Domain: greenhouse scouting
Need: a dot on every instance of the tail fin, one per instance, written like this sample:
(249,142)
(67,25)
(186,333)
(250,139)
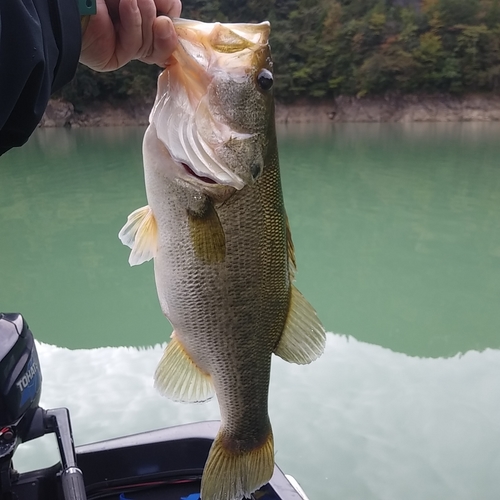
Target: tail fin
(230,475)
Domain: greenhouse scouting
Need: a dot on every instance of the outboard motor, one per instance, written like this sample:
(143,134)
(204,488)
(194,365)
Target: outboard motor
(20,382)
(21,419)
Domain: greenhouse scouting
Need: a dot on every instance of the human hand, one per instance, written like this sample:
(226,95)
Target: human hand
(123,30)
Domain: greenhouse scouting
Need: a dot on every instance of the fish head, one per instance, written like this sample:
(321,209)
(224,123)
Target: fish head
(214,110)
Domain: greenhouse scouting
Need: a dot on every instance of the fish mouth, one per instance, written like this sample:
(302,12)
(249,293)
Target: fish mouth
(202,178)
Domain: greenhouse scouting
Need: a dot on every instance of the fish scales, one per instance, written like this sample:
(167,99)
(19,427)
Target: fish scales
(217,229)
(252,283)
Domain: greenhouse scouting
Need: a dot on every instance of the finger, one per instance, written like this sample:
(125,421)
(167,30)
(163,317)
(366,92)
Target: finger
(170,8)
(164,41)
(113,9)
(98,42)
(129,33)
(147,9)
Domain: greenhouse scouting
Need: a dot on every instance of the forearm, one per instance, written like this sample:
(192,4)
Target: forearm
(40,42)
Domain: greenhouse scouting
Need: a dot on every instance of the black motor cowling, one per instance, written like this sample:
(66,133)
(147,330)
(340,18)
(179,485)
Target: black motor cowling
(20,375)
(21,419)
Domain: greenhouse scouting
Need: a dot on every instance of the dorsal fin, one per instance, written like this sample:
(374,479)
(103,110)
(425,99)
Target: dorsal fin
(303,338)
(292,264)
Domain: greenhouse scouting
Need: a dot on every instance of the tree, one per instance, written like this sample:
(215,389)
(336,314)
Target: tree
(323,48)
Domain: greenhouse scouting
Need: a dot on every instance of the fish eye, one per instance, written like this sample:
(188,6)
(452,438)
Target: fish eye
(265,79)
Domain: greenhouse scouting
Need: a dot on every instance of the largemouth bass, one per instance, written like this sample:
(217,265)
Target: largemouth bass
(223,255)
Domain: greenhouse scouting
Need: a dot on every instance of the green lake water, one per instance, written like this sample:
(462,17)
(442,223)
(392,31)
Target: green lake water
(397,236)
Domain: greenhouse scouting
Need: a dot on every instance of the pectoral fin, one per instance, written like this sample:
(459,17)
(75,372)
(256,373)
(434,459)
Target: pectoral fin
(207,234)
(179,378)
(303,339)
(140,233)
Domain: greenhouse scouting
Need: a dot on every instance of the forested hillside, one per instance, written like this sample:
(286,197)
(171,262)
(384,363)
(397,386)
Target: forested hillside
(325,48)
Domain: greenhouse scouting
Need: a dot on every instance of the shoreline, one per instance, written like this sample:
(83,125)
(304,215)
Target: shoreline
(342,109)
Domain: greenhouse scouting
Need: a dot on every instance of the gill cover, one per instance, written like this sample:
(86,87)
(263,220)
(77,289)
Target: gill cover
(186,119)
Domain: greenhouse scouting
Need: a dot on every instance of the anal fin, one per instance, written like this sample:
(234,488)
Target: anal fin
(179,378)
(303,338)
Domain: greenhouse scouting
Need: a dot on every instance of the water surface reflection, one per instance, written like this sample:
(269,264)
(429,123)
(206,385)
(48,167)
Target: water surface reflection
(362,422)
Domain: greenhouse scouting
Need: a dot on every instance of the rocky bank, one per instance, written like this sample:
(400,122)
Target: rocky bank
(408,108)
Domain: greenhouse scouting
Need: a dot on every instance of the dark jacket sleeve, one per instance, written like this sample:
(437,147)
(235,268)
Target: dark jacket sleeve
(40,43)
